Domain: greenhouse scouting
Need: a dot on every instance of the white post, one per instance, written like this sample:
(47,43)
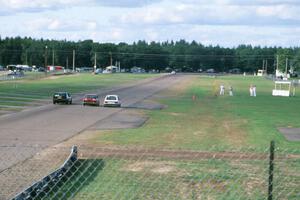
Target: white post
(73,60)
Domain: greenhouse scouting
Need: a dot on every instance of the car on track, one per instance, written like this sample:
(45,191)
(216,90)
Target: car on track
(62,97)
(112,100)
(91,99)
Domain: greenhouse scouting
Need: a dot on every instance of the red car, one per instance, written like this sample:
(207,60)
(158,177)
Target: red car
(91,99)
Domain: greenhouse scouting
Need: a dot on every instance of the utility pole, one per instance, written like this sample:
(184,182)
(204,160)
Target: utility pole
(53,57)
(110,58)
(46,58)
(26,57)
(267,66)
(277,62)
(286,66)
(67,62)
(73,60)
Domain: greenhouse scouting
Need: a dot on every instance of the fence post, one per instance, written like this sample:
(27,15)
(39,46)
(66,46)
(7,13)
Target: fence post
(271,170)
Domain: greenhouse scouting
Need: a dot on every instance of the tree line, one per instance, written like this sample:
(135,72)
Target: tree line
(173,55)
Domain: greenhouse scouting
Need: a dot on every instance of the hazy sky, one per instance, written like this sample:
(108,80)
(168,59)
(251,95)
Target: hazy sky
(217,22)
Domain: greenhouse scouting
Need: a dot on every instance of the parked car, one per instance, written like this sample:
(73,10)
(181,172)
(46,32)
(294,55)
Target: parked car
(16,74)
(91,99)
(112,100)
(210,70)
(98,71)
(41,69)
(62,97)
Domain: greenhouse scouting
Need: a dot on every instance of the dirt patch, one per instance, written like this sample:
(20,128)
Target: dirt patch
(124,119)
(291,134)
(202,189)
(148,105)
(158,167)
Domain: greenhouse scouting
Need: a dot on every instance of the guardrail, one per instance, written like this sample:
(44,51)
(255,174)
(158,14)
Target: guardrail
(40,186)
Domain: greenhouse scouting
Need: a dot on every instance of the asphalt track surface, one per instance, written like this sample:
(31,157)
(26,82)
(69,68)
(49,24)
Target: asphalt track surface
(24,134)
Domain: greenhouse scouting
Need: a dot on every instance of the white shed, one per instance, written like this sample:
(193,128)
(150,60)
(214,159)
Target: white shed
(282,88)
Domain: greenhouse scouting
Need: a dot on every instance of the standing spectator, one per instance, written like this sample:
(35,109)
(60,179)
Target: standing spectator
(251,90)
(230,91)
(222,89)
(254,91)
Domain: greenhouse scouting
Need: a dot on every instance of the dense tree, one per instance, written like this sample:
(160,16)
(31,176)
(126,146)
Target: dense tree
(180,55)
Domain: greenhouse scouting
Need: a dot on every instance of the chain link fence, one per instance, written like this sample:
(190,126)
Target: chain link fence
(138,173)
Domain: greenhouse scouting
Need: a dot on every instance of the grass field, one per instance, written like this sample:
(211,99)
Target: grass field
(226,179)
(196,118)
(31,90)
(213,122)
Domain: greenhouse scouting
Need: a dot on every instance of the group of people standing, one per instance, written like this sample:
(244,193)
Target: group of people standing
(252,90)
(222,90)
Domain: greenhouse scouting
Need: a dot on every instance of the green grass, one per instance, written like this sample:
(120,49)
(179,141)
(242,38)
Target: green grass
(213,122)
(208,123)
(44,88)
(112,178)
(73,84)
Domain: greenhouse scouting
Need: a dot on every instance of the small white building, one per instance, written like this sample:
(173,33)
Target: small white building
(261,72)
(282,88)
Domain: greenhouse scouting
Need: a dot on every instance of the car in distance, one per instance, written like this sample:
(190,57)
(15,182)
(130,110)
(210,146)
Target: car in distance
(112,100)
(62,97)
(91,99)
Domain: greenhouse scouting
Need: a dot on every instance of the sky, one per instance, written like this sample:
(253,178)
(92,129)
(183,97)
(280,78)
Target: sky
(227,23)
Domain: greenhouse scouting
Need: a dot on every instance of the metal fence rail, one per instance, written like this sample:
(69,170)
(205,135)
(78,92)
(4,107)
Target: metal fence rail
(138,173)
(39,188)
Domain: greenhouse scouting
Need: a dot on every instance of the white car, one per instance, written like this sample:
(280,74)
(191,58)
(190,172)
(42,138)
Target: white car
(112,100)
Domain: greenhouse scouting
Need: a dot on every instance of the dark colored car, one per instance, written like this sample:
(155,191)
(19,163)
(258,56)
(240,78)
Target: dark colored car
(91,99)
(62,97)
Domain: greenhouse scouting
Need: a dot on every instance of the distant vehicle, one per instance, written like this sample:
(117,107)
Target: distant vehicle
(173,72)
(41,69)
(98,71)
(55,68)
(11,67)
(295,74)
(91,99)
(111,69)
(137,70)
(210,71)
(16,74)
(23,67)
(84,69)
(62,97)
(235,71)
(112,100)
(1,68)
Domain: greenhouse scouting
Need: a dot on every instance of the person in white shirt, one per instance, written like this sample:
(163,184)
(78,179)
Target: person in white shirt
(254,91)
(230,91)
(251,90)
(222,89)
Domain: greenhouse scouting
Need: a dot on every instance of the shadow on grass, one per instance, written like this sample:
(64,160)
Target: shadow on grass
(79,176)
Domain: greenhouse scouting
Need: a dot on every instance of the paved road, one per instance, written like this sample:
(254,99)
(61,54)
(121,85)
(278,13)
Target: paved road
(25,133)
